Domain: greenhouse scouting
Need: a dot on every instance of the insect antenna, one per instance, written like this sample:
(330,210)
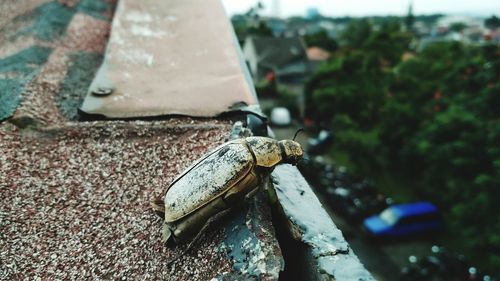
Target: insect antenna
(296,133)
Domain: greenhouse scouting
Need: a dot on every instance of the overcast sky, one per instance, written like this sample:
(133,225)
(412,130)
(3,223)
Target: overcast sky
(369,7)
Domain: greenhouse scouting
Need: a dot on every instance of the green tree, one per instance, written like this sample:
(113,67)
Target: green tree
(356,33)
(458,26)
(492,22)
(410,18)
(243,29)
(432,118)
(322,40)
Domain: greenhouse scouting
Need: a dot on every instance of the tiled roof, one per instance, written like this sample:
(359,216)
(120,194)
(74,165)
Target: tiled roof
(278,52)
(76,200)
(40,42)
(76,195)
(317,54)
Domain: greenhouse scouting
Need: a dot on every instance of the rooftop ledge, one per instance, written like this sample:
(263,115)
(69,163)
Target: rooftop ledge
(76,193)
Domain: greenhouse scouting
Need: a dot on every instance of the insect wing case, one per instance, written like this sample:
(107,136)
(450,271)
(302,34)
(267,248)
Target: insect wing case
(266,150)
(207,179)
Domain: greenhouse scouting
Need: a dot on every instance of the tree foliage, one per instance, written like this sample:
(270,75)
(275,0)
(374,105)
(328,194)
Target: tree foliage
(432,116)
(322,40)
(492,22)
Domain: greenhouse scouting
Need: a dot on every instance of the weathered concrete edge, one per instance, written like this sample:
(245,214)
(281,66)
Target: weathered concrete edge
(331,256)
(251,243)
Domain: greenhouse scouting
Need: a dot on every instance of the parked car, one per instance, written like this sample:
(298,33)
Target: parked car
(280,116)
(403,220)
(356,205)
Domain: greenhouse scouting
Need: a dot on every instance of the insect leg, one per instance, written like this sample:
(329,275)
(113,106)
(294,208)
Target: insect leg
(250,194)
(158,205)
(209,222)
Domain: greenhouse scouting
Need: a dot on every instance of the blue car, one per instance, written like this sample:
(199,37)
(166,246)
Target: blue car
(403,220)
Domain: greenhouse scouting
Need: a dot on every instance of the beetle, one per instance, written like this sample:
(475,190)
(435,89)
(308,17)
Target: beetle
(218,182)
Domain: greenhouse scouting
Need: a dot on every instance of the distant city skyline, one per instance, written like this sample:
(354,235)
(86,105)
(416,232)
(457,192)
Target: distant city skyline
(339,8)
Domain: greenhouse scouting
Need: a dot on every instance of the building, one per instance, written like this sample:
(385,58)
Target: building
(316,56)
(283,58)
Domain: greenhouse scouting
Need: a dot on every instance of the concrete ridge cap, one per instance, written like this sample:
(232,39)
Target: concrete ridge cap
(310,224)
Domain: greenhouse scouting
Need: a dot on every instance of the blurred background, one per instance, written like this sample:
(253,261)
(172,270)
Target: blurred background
(400,102)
